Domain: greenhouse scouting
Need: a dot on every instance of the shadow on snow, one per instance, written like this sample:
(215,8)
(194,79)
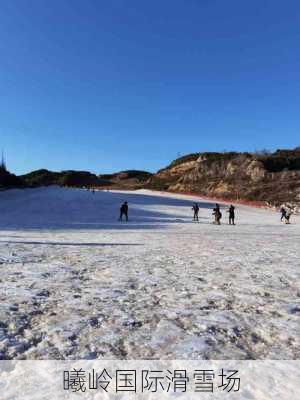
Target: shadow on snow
(58,208)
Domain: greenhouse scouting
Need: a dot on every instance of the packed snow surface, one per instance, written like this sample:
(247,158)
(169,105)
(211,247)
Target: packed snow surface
(76,283)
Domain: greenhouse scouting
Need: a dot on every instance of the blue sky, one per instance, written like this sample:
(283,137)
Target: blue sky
(119,84)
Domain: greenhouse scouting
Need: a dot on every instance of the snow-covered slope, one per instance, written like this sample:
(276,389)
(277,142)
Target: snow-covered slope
(76,283)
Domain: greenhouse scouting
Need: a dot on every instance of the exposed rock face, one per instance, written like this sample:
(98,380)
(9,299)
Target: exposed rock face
(272,178)
(255,170)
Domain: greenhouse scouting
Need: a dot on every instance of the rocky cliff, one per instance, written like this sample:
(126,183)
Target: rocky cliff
(271,178)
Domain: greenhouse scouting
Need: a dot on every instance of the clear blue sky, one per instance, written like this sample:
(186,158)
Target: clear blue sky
(123,84)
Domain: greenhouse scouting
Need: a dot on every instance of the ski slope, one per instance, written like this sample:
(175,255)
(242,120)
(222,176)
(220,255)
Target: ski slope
(76,283)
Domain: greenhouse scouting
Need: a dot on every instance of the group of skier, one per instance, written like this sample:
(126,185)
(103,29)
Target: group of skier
(285,213)
(217,214)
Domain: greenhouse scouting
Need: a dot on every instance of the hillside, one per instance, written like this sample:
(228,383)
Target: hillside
(121,180)
(43,177)
(127,180)
(272,178)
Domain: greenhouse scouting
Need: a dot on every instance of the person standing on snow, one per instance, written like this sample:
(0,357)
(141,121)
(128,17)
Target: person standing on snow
(288,216)
(218,215)
(124,211)
(283,213)
(231,212)
(195,208)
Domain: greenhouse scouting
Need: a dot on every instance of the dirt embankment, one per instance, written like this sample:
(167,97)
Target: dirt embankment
(256,179)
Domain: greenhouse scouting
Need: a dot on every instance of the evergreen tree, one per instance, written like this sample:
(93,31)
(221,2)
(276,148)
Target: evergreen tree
(3,163)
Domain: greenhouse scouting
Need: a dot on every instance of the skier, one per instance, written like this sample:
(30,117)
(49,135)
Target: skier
(124,211)
(218,215)
(231,214)
(283,213)
(288,216)
(195,208)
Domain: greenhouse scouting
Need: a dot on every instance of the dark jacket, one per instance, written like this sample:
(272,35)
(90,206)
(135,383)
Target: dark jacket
(231,211)
(124,208)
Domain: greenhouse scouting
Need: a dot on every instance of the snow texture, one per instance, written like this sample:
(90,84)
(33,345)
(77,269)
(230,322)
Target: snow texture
(78,284)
